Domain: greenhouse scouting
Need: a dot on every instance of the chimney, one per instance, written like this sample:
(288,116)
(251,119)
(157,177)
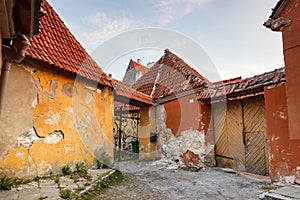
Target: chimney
(139,61)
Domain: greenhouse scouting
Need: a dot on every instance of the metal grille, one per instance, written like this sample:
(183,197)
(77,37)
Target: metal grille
(125,136)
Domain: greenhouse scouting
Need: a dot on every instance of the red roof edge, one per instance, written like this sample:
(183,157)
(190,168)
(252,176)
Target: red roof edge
(124,91)
(246,85)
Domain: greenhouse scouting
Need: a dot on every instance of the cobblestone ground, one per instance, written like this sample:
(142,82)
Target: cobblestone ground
(151,180)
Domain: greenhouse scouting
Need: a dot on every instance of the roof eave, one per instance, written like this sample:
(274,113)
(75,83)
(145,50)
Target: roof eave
(275,22)
(278,9)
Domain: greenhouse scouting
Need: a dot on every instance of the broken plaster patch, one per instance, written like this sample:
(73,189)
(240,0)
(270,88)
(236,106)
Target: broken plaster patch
(173,148)
(290,179)
(70,110)
(280,114)
(69,90)
(54,137)
(20,155)
(51,94)
(53,119)
(27,139)
(89,98)
(80,126)
(34,102)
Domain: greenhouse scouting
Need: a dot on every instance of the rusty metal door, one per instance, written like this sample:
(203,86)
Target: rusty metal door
(256,152)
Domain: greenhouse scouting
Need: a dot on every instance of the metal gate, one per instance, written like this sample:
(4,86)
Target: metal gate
(240,135)
(125,136)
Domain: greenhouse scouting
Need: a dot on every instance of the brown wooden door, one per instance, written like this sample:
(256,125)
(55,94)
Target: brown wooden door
(240,135)
(228,127)
(222,152)
(256,154)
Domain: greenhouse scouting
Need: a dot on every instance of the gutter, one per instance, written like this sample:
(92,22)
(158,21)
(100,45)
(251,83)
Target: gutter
(14,53)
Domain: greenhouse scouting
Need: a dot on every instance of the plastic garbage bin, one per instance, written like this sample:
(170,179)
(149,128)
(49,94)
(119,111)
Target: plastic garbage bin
(135,145)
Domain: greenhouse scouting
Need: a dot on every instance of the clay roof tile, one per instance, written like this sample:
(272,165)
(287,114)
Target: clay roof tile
(56,46)
(169,75)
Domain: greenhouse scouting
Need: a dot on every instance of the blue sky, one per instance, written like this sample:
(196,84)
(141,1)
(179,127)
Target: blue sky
(230,32)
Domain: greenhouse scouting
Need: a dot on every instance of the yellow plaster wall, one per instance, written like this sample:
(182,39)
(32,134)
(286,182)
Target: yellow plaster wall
(147,125)
(83,120)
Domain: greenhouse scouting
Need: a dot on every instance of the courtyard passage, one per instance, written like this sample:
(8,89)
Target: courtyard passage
(154,180)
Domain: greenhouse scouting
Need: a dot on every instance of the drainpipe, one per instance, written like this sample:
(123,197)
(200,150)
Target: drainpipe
(10,54)
(3,80)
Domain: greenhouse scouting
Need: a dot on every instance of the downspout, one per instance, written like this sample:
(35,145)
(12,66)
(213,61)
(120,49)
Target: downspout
(10,54)
(3,80)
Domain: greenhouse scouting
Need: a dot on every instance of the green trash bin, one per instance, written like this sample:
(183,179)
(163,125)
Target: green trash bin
(135,145)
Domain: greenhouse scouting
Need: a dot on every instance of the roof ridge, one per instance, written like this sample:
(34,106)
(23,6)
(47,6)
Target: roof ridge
(169,75)
(186,66)
(156,80)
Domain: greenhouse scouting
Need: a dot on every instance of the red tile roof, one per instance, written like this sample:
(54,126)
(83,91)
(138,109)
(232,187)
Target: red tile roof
(242,86)
(139,67)
(56,46)
(125,94)
(169,75)
(118,106)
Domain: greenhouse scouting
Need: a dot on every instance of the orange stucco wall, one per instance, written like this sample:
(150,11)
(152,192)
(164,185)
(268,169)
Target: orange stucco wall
(284,152)
(188,113)
(77,111)
(205,122)
(183,114)
(291,49)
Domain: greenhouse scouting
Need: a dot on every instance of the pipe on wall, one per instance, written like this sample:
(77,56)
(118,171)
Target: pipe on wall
(3,82)
(10,54)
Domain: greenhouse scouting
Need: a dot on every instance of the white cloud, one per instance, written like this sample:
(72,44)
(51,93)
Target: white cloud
(172,9)
(101,27)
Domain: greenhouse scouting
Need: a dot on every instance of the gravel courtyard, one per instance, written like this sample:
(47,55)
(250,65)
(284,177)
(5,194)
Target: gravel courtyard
(154,180)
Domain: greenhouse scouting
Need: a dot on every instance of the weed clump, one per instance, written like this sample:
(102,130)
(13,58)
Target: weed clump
(66,170)
(6,183)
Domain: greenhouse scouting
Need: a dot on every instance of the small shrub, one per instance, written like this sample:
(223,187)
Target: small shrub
(81,170)
(191,169)
(6,183)
(101,165)
(43,197)
(65,194)
(116,177)
(66,170)
(37,179)
(56,180)
(269,187)
(103,184)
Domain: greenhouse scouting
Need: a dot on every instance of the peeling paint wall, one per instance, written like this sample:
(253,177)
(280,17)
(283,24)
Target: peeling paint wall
(182,114)
(147,125)
(189,146)
(16,116)
(51,120)
(283,151)
(291,50)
